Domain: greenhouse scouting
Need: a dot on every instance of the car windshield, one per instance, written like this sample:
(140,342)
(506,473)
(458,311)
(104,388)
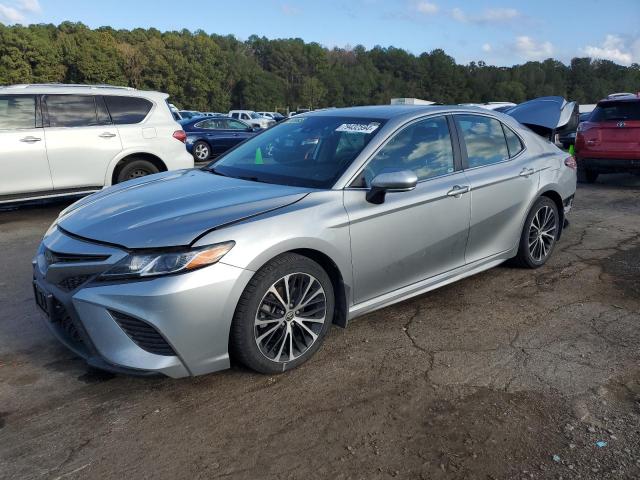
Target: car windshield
(304,151)
(612,111)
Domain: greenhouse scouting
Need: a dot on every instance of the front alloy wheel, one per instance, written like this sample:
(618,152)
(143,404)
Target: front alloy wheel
(290,317)
(283,314)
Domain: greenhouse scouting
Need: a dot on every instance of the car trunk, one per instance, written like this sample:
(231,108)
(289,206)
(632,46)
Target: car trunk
(613,131)
(547,116)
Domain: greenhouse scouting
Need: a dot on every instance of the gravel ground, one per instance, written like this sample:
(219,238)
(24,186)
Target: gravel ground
(509,374)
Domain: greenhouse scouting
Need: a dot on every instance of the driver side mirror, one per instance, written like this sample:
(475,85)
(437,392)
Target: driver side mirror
(402,181)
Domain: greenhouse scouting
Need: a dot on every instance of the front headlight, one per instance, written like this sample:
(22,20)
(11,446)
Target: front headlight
(138,265)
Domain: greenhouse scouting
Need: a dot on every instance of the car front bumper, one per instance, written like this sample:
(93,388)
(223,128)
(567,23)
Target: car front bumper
(176,325)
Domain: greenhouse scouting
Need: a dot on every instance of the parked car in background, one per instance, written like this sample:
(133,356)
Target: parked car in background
(213,114)
(210,137)
(550,117)
(313,222)
(278,117)
(252,118)
(187,114)
(568,137)
(609,141)
(59,139)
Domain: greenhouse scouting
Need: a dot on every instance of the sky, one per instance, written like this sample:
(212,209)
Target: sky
(497,32)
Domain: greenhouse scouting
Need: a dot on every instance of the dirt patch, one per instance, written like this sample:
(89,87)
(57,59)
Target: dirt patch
(624,268)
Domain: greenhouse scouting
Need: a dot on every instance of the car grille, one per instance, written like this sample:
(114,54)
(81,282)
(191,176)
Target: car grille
(71,283)
(56,257)
(143,334)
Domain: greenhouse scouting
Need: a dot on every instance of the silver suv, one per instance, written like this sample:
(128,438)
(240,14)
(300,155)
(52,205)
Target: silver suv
(70,139)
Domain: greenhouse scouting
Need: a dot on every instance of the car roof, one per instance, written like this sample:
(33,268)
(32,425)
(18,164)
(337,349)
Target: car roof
(625,98)
(79,89)
(387,112)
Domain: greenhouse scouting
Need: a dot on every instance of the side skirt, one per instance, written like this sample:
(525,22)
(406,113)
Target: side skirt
(429,284)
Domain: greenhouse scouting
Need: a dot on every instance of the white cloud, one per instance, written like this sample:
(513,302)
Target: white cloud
(16,13)
(616,49)
(491,15)
(486,47)
(529,49)
(31,6)
(426,8)
(10,14)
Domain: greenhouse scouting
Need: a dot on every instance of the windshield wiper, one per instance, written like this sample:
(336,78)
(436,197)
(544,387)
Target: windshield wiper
(217,172)
(252,179)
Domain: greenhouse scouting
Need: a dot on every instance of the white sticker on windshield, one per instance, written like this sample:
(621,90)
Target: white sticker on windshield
(358,127)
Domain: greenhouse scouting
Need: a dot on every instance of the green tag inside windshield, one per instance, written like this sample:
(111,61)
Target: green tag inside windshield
(258,160)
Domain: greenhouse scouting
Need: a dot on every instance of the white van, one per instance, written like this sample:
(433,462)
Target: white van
(57,140)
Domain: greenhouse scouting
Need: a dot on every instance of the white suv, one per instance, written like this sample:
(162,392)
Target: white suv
(252,118)
(58,140)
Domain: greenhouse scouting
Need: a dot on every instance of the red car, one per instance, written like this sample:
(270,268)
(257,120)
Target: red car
(609,141)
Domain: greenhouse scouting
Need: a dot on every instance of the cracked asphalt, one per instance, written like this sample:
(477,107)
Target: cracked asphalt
(509,374)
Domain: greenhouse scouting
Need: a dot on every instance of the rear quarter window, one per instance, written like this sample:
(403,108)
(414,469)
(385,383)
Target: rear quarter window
(514,144)
(127,110)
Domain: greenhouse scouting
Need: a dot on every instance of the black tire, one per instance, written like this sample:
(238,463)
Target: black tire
(244,333)
(587,176)
(136,168)
(525,257)
(201,151)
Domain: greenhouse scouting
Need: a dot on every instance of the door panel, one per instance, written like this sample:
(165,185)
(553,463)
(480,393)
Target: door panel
(23,162)
(80,144)
(79,156)
(499,201)
(23,156)
(411,236)
(501,187)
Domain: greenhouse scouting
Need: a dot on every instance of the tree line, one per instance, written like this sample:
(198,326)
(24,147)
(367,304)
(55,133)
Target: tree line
(216,73)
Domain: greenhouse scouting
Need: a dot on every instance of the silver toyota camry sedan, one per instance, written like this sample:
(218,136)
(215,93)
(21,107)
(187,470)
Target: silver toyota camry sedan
(322,218)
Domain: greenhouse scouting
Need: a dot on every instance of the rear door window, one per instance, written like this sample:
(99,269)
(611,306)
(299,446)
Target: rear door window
(127,110)
(483,138)
(17,111)
(236,125)
(71,110)
(616,111)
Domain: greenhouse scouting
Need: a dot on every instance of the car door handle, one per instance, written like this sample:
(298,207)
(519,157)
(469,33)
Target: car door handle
(526,172)
(107,135)
(458,190)
(591,142)
(30,139)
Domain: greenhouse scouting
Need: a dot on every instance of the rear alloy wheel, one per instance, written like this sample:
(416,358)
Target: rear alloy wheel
(136,168)
(539,234)
(283,314)
(201,151)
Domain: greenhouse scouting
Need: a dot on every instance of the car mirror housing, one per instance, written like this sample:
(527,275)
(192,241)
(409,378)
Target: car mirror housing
(401,181)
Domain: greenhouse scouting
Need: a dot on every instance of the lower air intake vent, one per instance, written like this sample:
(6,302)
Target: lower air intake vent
(71,283)
(143,334)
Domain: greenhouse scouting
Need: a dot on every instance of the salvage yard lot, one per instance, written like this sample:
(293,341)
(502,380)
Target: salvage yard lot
(486,378)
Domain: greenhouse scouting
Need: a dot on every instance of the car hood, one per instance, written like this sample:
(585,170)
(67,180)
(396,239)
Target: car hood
(546,114)
(172,208)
